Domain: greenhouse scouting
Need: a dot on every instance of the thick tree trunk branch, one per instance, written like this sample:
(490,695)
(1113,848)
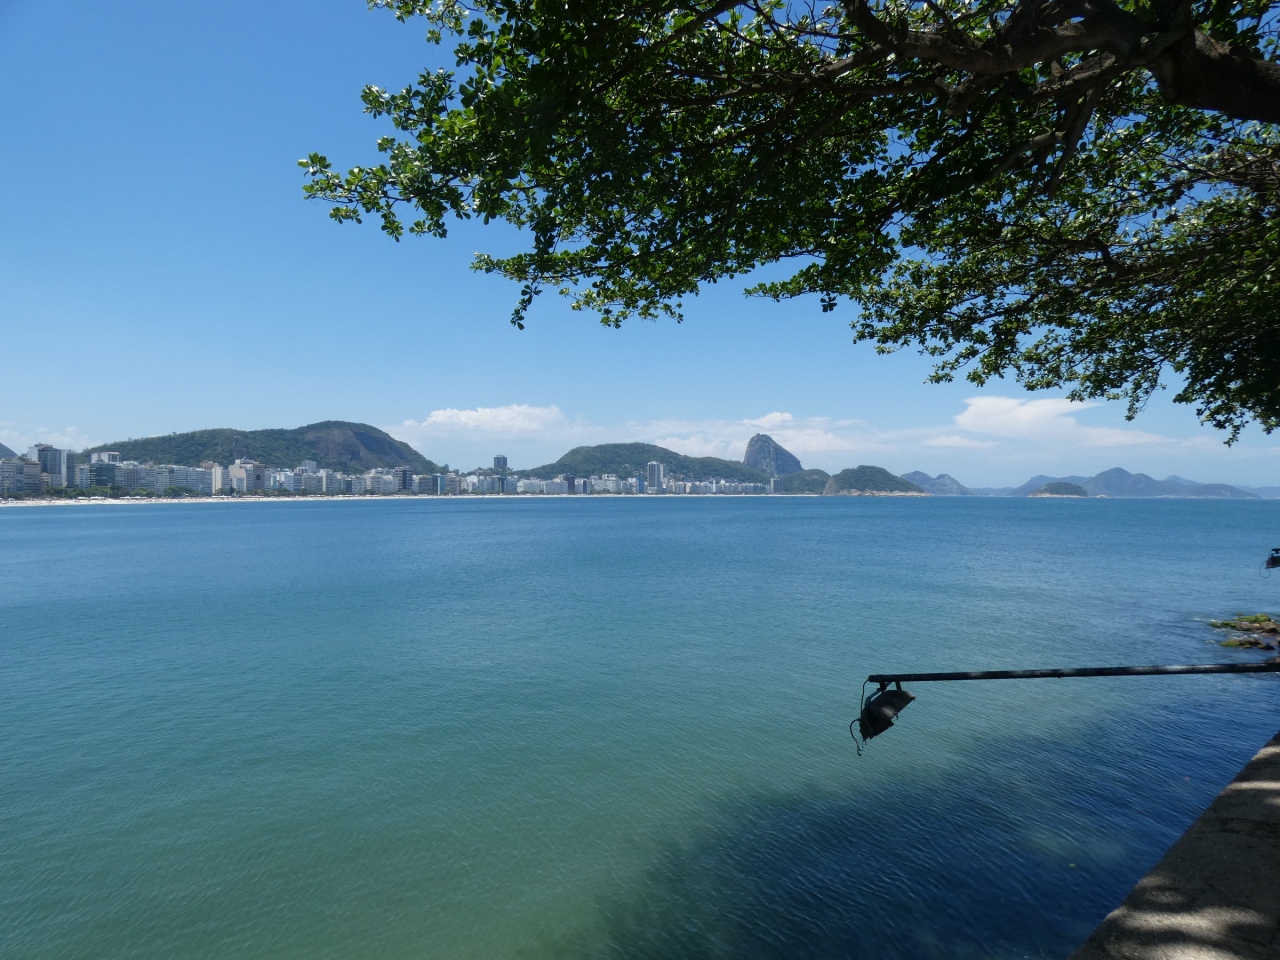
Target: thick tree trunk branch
(1202,73)
(1190,68)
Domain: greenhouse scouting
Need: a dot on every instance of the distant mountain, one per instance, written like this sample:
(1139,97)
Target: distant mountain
(6,452)
(768,456)
(1270,493)
(1061,489)
(943,485)
(631,460)
(806,481)
(1121,483)
(869,480)
(332,444)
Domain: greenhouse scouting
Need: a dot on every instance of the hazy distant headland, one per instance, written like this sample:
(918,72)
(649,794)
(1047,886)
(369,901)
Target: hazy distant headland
(348,457)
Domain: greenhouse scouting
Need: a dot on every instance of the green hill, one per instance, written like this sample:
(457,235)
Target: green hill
(1060,488)
(630,460)
(865,479)
(332,444)
(6,452)
(806,481)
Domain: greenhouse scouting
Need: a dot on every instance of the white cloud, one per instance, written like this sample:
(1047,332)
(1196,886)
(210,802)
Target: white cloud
(1042,434)
(958,442)
(512,420)
(69,438)
(20,441)
(527,432)
(1046,421)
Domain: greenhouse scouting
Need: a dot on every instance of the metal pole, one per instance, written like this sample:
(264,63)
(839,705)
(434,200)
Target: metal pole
(1268,667)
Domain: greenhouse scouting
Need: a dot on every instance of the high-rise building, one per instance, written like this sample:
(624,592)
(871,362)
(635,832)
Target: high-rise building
(20,475)
(60,465)
(98,473)
(500,463)
(571,482)
(219,480)
(132,476)
(657,476)
(104,456)
(404,478)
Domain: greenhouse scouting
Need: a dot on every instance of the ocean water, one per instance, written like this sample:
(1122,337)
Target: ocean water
(605,728)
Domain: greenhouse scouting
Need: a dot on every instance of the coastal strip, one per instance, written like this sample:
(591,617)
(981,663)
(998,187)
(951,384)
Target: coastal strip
(1216,894)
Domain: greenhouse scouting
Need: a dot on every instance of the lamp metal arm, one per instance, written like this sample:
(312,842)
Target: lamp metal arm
(1174,668)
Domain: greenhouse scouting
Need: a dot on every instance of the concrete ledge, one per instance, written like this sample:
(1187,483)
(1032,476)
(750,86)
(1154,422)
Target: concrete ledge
(1216,893)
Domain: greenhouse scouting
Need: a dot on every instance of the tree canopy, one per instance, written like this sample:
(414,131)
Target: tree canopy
(1077,193)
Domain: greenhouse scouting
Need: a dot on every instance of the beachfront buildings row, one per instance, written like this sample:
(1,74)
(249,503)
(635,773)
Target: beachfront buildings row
(45,468)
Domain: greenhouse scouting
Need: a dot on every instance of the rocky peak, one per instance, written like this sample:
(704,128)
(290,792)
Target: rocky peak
(765,453)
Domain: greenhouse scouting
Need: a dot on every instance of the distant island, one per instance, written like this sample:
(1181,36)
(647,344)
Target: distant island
(866,481)
(1060,488)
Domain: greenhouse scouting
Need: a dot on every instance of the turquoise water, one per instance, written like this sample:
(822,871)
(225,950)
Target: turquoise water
(604,728)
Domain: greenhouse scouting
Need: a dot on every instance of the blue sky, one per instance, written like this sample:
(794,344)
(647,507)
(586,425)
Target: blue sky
(160,271)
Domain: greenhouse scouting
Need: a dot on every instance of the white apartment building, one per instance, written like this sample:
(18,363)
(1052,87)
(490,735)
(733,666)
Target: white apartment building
(382,482)
(198,479)
(219,479)
(331,482)
(248,476)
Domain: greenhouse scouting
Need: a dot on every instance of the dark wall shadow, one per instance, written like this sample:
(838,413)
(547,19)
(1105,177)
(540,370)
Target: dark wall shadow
(1217,891)
(992,862)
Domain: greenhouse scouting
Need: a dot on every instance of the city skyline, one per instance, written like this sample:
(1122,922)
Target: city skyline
(47,470)
(993,441)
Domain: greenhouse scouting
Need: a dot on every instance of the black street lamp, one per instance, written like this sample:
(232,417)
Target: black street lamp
(877,712)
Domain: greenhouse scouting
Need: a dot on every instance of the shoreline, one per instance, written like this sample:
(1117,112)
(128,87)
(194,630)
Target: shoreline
(504,498)
(320,498)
